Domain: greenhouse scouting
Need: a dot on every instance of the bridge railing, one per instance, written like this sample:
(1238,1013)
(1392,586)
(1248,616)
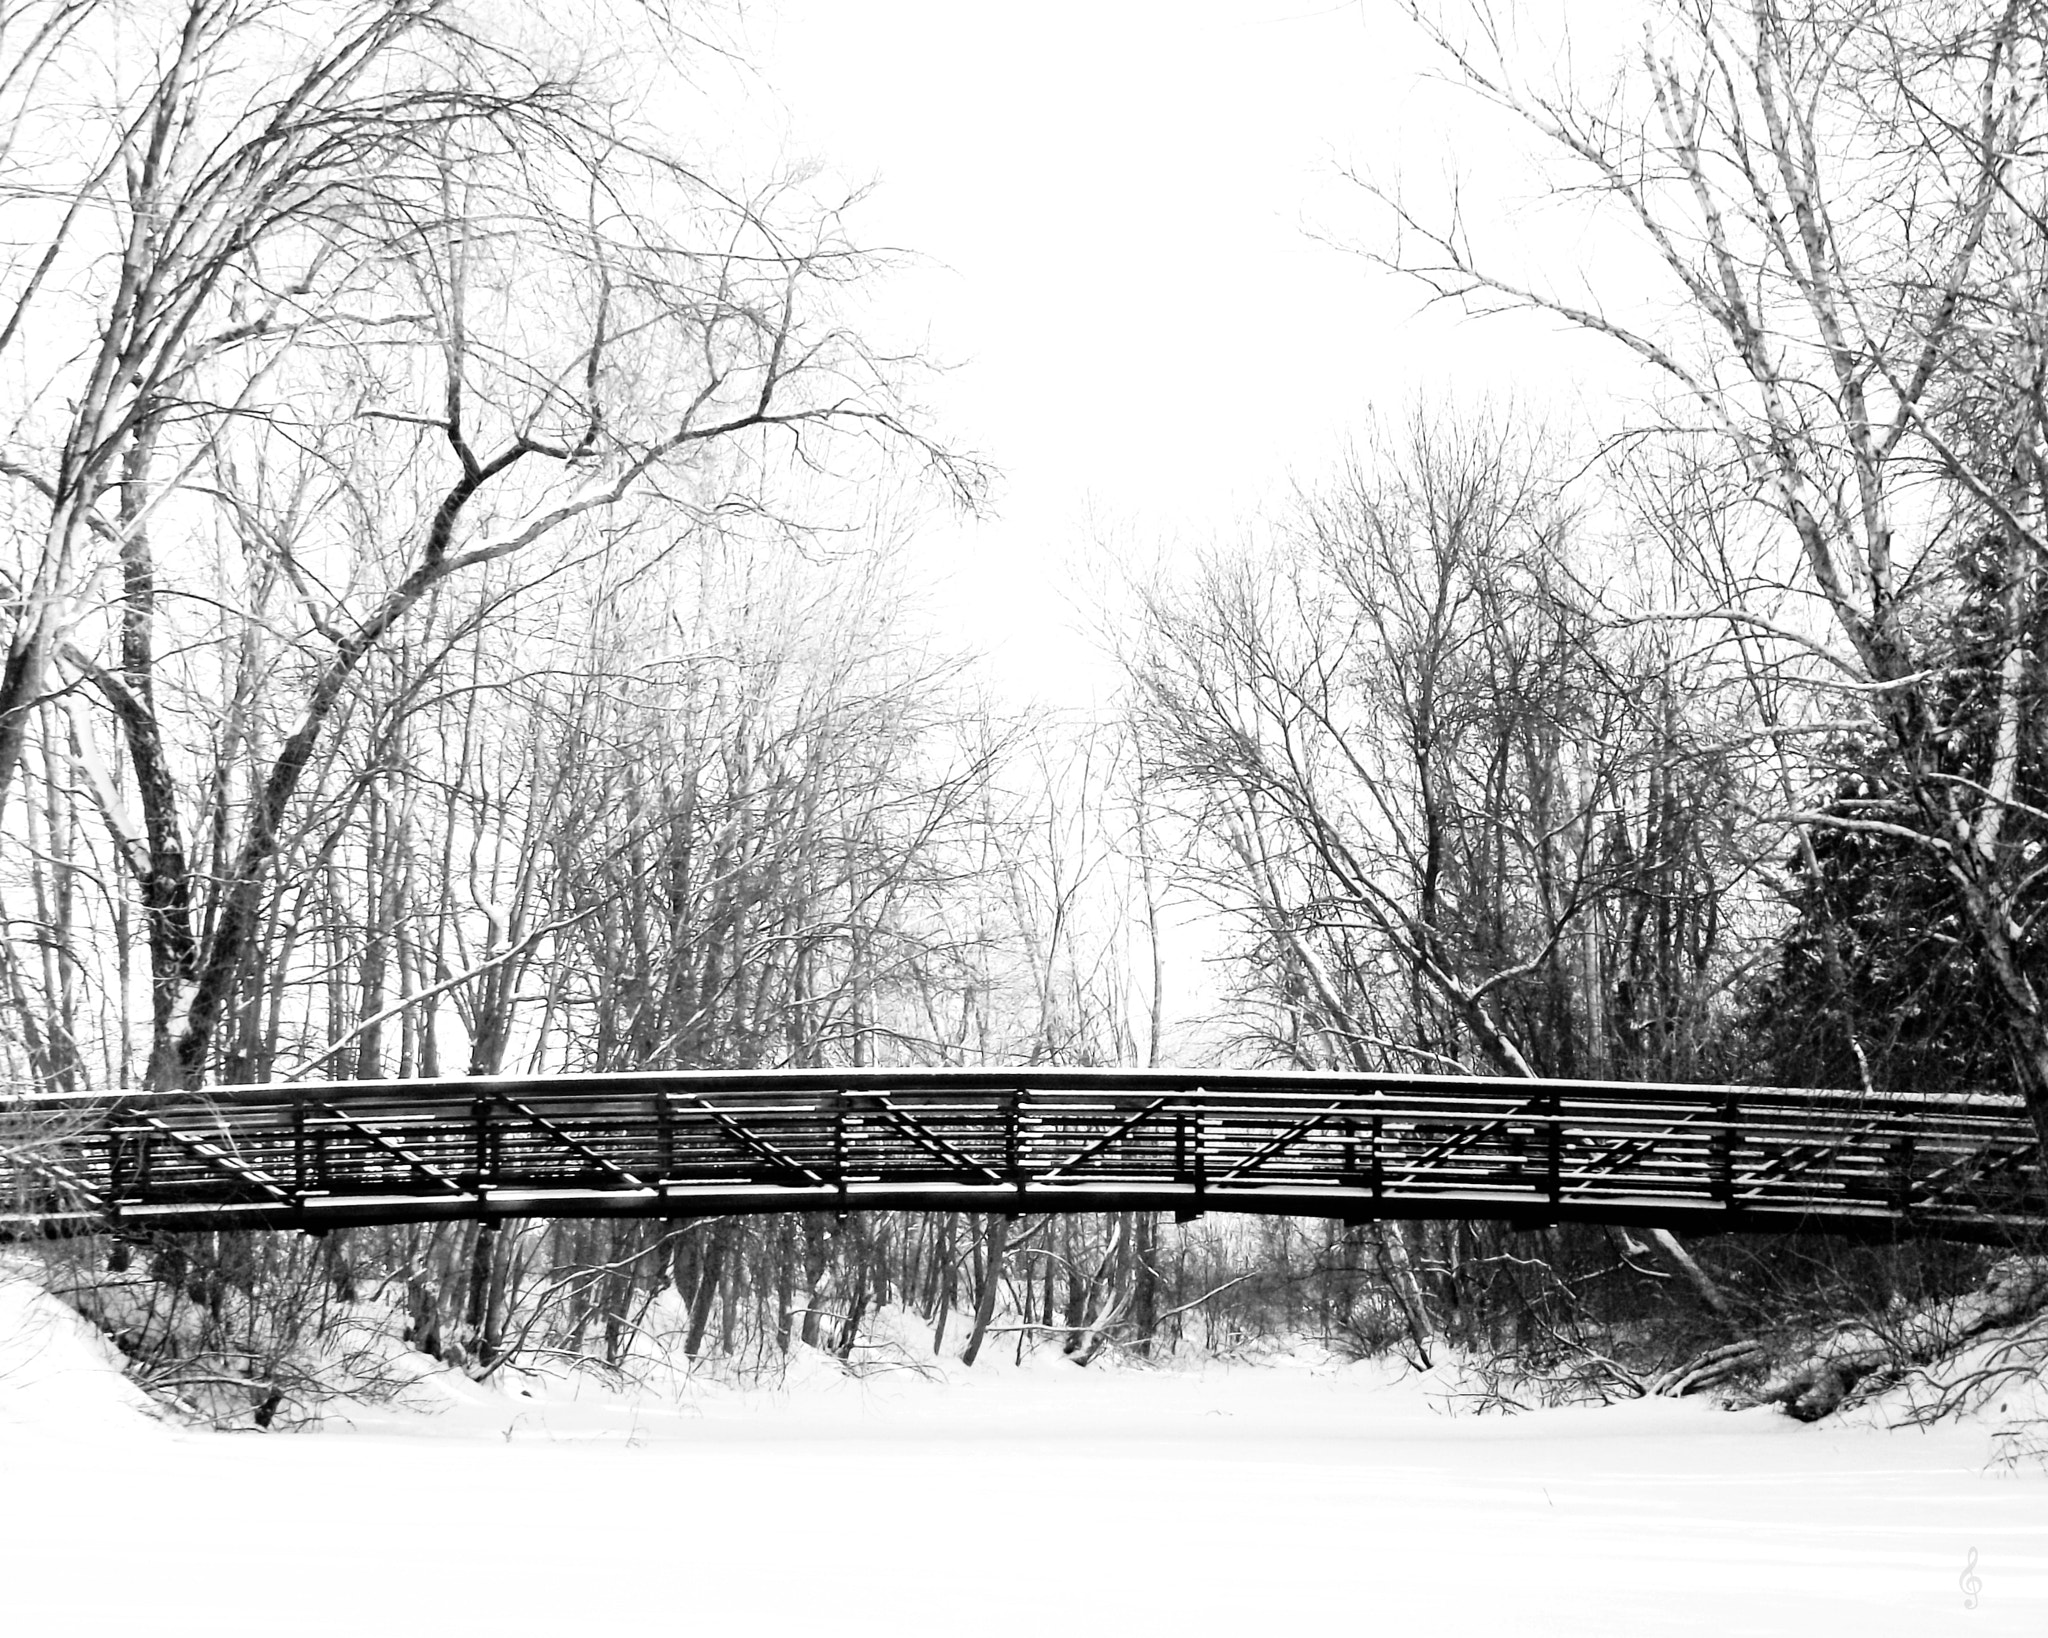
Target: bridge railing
(686,1144)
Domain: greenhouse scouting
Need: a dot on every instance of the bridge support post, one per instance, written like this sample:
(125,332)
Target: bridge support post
(1188,1165)
(665,1128)
(1553,1149)
(480,1115)
(839,1210)
(1723,1181)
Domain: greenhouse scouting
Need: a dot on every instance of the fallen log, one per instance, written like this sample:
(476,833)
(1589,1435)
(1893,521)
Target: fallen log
(2016,1289)
(1708,1370)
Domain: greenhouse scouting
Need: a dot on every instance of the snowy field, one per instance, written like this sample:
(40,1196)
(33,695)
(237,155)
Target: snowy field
(1289,1497)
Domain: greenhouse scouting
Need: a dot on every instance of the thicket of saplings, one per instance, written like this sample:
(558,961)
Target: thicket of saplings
(269,1326)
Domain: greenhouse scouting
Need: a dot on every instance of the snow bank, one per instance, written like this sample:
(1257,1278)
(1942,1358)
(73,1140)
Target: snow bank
(1291,1494)
(59,1377)
(1993,1386)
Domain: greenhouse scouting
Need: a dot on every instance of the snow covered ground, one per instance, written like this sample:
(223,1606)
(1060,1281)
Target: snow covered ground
(1289,1497)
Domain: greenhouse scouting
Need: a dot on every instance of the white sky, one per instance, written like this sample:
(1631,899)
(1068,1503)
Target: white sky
(1113,202)
(1115,210)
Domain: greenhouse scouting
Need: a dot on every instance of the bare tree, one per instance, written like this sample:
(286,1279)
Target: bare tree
(376,302)
(1462,825)
(1849,206)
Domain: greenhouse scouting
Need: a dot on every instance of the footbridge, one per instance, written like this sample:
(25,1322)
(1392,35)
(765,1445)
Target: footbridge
(1701,1158)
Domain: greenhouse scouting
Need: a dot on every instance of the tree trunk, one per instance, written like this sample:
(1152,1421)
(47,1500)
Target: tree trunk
(1144,1281)
(1400,1272)
(709,1270)
(991,1281)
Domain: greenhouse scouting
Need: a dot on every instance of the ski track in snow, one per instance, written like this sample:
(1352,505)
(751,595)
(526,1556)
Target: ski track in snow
(1290,1497)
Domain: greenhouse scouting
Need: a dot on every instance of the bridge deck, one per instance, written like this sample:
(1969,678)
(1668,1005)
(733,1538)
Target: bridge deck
(322,1155)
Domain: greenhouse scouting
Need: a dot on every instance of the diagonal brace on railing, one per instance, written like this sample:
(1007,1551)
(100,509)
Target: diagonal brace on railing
(919,1133)
(1541,1106)
(391,1145)
(755,1144)
(218,1158)
(1294,1134)
(1121,1131)
(1803,1157)
(1971,1168)
(1634,1147)
(62,1174)
(1457,1143)
(570,1142)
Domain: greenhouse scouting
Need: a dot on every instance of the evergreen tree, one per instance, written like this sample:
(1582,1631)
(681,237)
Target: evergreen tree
(1877,975)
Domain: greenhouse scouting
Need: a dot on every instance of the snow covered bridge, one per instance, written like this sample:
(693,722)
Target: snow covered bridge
(324,1155)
